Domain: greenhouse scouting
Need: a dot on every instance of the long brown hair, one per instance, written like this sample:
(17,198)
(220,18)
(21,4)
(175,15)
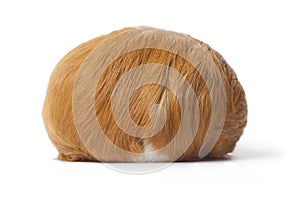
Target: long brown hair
(58,111)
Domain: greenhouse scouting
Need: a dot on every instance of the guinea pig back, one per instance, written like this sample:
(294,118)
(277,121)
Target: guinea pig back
(144,95)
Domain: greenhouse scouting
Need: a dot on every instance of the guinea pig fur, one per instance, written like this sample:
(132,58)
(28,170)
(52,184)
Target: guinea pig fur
(69,114)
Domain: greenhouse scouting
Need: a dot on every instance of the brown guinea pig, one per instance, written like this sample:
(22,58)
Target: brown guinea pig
(144,95)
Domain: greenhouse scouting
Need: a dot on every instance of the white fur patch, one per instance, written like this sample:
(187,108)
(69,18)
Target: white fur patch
(151,155)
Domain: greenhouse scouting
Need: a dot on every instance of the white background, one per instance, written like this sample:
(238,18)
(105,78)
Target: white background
(259,39)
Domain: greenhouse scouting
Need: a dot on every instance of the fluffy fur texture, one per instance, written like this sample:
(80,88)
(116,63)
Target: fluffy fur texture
(59,119)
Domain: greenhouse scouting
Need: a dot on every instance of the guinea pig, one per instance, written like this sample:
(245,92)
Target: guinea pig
(144,95)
